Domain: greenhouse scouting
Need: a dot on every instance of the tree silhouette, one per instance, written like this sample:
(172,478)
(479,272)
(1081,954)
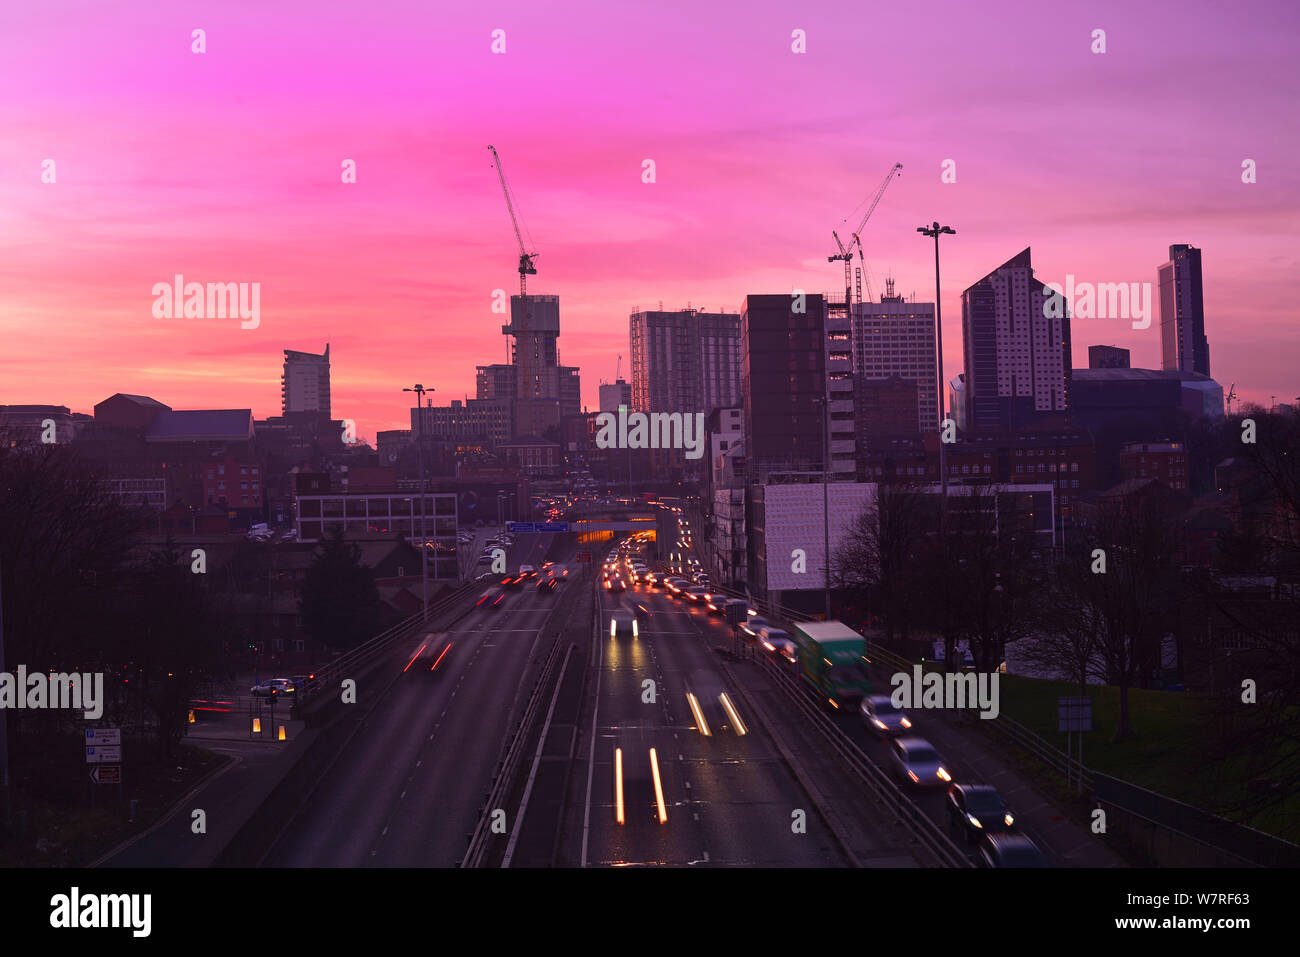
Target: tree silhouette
(340,602)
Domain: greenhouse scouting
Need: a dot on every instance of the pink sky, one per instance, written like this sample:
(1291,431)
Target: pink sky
(224,167)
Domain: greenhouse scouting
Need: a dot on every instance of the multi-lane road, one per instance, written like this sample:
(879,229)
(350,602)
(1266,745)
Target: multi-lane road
(408,788)
(728,798)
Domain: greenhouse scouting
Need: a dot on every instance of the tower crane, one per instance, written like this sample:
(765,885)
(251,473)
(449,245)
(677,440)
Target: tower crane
(524,384)
(1232,394)
(845,254)
(526,267)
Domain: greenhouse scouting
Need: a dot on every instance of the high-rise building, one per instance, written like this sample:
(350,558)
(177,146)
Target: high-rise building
(542,390)
(305,385)
(1017,349)
(1107,357)
(894,338)
(1182,312)
(615,394)
(685,361)
(783,381)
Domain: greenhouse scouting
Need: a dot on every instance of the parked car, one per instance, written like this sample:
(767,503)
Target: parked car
(880,715)
(1010,850)
(916,762)
(977,810)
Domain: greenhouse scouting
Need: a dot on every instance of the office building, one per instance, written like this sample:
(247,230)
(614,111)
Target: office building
(615,394)
(783,381)
(895,339)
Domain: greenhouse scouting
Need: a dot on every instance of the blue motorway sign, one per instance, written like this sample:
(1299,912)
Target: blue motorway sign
(552,526)
(522,528)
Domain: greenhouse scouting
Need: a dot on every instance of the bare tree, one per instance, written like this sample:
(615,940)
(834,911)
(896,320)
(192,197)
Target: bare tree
(879,556)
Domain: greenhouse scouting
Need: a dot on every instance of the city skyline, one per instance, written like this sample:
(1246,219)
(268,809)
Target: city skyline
(240,182)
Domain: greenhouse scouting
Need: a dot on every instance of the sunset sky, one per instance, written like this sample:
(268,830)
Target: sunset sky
(225,167)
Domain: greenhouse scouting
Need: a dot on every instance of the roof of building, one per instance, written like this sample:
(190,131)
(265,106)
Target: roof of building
(139,400)
(213,425)
(1137,375)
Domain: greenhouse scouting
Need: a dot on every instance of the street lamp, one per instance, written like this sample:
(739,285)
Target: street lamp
(936,231)
(419,391)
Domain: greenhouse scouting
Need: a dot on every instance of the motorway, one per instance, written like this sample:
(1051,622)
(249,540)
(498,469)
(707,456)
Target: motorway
(728,799)
(407,790)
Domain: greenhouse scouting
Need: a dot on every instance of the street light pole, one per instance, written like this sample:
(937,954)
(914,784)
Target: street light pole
(419,391)
(936,231)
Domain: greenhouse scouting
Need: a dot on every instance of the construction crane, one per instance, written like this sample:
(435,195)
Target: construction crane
(845,254)
(618,369)
(526,267)
(1232,394)
(524,384)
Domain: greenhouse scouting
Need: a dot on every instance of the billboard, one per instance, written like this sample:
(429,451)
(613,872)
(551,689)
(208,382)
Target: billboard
(793,521)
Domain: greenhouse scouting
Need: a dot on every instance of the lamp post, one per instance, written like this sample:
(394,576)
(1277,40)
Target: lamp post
(419,391)
(936,231)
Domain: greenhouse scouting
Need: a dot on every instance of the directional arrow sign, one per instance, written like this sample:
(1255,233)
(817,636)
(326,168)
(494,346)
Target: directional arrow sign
(107,774)
(109,755)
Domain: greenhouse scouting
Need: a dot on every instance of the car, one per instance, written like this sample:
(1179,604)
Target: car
(622,622)
(491,598)
(1010,850)
(978,810)
(881,717)
(652,579)
(641,609)
(678,585)
(697,594)
(547,585)
(754,625)
(769,635)
(916,762)
(528,571)
(485,559)
(512,581)
(272,688)
(303,683)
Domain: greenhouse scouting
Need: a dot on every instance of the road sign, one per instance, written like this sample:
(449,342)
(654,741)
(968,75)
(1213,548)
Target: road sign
(1074,714)
(522,528)
(100,755)
(552,526)
(107,774)
(583,557)
(99,736)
